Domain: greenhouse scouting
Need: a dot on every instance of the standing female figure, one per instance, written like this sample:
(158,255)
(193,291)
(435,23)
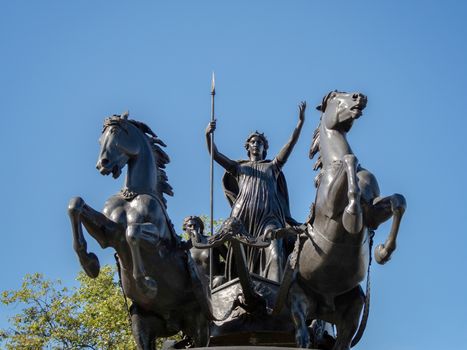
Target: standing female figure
(257,192)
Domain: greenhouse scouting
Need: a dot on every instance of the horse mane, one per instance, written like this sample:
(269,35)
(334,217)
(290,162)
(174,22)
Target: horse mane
(161,159)
(315,149)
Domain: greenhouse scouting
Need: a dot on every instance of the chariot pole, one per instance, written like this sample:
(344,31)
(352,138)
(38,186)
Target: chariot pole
(213,94)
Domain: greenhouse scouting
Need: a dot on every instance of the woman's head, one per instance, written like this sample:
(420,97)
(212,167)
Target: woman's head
(257,144)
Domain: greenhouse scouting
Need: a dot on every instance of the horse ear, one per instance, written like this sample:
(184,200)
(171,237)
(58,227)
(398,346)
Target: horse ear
(125,115)
(322,106)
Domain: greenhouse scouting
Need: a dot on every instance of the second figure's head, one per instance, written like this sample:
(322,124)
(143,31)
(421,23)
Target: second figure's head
(192,224)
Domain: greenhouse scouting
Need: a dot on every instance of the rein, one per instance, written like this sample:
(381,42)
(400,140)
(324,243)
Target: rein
(366,308)
(119,270)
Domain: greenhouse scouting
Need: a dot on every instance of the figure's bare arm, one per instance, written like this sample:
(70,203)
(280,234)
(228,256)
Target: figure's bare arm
(222,160)
(288,147)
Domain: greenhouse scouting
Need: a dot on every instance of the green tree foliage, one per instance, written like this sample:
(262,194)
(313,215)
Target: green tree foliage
(90,316)
(207,224)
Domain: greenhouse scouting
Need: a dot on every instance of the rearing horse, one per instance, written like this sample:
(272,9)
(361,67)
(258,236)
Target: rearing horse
(157,274)
(334,251)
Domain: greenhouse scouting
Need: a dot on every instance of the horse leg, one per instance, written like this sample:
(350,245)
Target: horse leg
(140,236)
(299,308)
(196,327)
(352,218)
(145,327)
(381,210)
(98,226)
(88,261)
(323,334)
(339,194)
(348,309)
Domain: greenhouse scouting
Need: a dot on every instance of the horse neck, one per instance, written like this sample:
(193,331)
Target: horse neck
(142,171)
(333,144)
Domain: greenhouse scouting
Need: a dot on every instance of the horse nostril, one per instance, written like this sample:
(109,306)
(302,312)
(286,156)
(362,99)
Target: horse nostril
(104,161)
(355,96)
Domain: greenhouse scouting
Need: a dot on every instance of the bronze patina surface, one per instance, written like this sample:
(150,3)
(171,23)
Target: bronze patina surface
(264,279)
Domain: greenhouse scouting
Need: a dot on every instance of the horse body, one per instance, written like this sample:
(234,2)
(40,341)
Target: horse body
(157,275)
(322,268)
(334,256)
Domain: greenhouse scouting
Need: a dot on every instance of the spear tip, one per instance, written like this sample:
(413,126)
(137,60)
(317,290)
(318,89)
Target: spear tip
(213,84)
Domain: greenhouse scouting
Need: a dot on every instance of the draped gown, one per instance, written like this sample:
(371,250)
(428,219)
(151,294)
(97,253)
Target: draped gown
(258,195)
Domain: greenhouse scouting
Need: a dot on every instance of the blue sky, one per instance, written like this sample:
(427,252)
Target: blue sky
(65,66)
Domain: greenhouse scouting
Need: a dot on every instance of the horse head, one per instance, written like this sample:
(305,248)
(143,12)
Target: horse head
(345,107)
(119,143)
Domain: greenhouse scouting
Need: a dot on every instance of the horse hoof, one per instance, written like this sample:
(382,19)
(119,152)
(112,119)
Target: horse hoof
(382,255)
(91,265)
(354,208)
(148,285)
(303,341)
(352,221)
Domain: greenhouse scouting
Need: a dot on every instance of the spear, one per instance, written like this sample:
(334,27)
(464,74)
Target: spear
(213,93)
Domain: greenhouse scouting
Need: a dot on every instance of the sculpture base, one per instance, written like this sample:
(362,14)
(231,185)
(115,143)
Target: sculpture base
(254,339)
(250,348)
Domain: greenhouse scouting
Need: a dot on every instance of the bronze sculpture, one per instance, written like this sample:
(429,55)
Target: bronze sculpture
(157,274)
(257,298)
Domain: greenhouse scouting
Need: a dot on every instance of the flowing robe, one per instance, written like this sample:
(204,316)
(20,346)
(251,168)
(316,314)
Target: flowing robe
(257,192)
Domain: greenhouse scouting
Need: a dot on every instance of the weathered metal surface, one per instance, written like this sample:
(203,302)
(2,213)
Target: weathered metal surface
(256,298)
